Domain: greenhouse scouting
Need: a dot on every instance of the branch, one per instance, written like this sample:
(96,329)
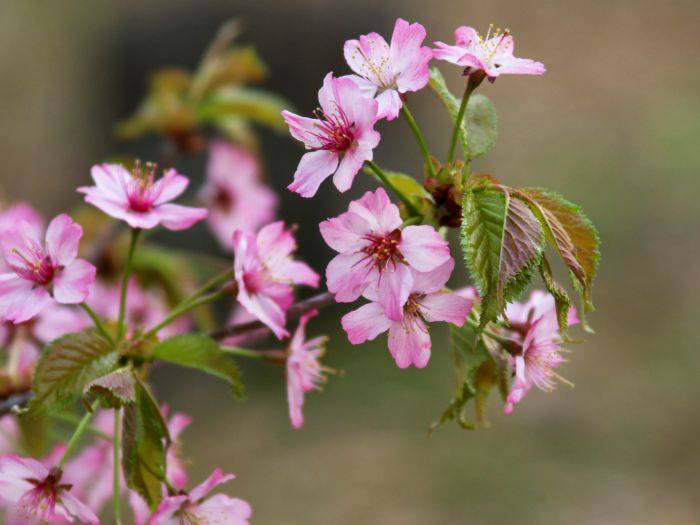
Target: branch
(255,329)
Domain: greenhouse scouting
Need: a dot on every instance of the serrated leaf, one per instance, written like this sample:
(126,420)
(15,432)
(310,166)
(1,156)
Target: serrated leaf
(482,125)
(144,440)
(66,365)
(562,302)
(571,234)
(479,129)
(114,390)
(253,104)
(200,352)
(502,242)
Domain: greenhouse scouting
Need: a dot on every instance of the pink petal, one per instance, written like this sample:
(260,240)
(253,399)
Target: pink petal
(409,59)
(345,232)
(176,217)
(349,167)
(367,87)
(19,301)
(434,280)
(365,323)
(296,272)
(389,104)
(347,276)
(465,34)
(295,397)
(62,239)
(445,306)
(77,508)
(522,66)
(314,167)
(423,247)
(368,57)
(393,288)
(409,343)
(169,187)
(303,129)
(141,511)
(215,479)
(377,209)
(165,514)
(448,53)
(266,310)
(275,243)
(360,110)
(111,180)
(232,511)
(72,283)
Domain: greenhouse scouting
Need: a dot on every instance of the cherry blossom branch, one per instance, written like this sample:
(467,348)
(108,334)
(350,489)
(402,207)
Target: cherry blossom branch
(384,179)
(256,327)
(474,80)
(125,282)
(97,322)
(259,355)
(15,399)
(419,137)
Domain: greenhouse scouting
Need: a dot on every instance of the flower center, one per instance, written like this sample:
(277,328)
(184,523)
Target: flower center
(382,249)
(377,72)
(223,199)
(140,190)
(35,266)
(41,500)
(491,43)
(336,133)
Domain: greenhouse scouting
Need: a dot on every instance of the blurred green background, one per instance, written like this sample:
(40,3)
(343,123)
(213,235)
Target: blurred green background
(614,125)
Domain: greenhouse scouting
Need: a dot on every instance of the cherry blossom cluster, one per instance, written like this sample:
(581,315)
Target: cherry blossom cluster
(393,259)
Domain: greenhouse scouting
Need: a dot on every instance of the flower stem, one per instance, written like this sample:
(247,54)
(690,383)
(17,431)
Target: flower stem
(384,179)
(115,491)
(243,352)
(419,138)
(97,322)
(74,420)
(125,282)
(182,309)
(79,431)
(473,82)
(503,341)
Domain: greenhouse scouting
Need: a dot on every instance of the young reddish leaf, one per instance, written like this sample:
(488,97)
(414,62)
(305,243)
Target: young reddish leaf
(114,390)
(67,364)
(562,302)
(144,444)
(502,242)
(570,232)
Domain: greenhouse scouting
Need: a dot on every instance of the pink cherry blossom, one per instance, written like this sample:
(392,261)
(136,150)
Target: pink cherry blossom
(535,324)
(39,272)
(196,507)
(36,492)
(342,136)
(409,339)
(389,70)
(376,253)
(304,371)
(492,54)
(265,273)
(234,192)
(139,199)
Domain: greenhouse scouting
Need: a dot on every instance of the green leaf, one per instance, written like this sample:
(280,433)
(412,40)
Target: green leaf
(66,365)
(502,242)
(482,124)
(114,390)
(570,233)
(144,444)
(562,302)
(203,353)
(479,129)
(253,104)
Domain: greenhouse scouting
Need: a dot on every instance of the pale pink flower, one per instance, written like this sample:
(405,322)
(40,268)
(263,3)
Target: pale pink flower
(409,339)
(265,273)
(342,136)
(196,507)
(39,272)
(535,324)
(145,307)
(234,193)
(492,54)
(376,253)
(389,70)
(304,371)
(139,199)
(37,493)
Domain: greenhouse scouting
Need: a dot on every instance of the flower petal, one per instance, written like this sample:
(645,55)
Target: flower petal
(347,276)
(409,343)
(445,306)
(393,287)
(62,239)
(72,283)
(314,167)
(423,247)
(169,187)
(176,217)
(365,323)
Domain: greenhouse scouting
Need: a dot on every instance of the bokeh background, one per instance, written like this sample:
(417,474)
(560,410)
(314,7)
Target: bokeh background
(614,125)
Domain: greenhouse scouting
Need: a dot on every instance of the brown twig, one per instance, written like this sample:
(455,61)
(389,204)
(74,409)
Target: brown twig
(16,399)
(255,329)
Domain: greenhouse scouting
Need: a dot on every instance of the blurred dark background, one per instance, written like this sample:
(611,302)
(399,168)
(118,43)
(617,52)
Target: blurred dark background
(614,125)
